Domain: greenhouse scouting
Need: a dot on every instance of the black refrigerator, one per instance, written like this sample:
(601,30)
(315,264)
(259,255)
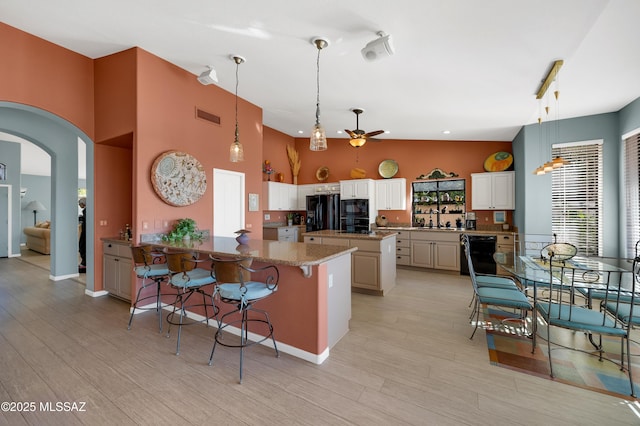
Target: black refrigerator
(323,212)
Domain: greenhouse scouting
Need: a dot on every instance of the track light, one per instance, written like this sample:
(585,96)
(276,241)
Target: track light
(208,77)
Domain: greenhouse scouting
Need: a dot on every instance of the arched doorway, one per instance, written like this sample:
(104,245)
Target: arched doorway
(59,139)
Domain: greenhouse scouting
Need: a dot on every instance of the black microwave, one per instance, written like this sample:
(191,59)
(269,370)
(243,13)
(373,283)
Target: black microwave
(356,207)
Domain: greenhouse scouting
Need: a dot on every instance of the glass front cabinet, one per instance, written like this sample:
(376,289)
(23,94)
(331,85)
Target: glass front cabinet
(438,203)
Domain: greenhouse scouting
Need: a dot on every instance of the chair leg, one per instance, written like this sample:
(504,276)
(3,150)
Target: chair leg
(549,348)
(633,390)
(477,318)
(133,310)
(159,305)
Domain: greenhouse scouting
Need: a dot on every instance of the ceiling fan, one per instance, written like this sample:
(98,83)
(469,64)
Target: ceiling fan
(359,137)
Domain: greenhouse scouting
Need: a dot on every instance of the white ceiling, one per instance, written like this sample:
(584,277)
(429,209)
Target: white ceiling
(468,66)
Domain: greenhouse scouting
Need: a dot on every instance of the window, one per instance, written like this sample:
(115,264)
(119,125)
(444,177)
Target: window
(576,199)
(632,191)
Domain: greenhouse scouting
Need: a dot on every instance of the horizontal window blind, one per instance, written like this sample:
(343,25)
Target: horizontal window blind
(632,192)
(576,199)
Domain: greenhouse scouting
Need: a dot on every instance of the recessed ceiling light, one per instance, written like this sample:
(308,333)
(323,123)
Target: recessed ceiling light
(300,132)
(446,132)
(339,132)
(386,132)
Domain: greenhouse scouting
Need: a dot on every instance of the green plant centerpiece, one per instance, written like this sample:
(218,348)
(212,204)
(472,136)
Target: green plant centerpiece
(184,229)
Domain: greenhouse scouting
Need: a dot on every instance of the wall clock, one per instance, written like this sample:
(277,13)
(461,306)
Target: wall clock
(178,178)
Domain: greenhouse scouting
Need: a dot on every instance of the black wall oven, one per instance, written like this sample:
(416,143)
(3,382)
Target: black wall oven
(354,216)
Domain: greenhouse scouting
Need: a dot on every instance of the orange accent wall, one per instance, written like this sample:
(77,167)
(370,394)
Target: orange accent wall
(44,75)
(414,158)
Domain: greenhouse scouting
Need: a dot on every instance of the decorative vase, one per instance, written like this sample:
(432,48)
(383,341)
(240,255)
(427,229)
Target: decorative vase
(186,237)
(242,238)
(289,222)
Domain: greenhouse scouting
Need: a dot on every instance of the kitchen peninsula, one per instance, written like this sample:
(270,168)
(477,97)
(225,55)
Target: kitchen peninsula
(311,310)
(374,263)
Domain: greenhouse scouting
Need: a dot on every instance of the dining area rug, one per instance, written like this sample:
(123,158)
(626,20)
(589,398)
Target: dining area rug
(575,362)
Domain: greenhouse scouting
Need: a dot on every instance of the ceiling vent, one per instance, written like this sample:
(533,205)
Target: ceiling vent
(207,116)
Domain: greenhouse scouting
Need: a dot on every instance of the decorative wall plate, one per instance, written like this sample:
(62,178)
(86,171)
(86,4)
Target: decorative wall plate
(178,178)
(498,162)
(388,169)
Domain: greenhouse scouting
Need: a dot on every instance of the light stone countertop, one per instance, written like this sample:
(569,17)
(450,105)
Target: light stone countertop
(377,235)
(267,251)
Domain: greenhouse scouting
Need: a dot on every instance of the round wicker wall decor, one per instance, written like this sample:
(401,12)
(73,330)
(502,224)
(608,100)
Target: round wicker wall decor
(178,178)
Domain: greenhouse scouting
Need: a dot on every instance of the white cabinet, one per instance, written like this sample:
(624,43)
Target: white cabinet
(280,196)
(357,188)
(281,233)
(391,194)
(303,192)
(437,250)
(117,268)
(493,191)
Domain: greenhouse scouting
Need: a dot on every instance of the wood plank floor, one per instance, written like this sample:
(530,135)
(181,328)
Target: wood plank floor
(407,360)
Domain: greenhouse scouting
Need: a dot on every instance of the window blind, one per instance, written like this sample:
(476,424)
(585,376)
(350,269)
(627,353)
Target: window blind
(576,199)
(632,192)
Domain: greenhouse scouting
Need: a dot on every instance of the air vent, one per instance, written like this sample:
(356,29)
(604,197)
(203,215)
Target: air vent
(207,116)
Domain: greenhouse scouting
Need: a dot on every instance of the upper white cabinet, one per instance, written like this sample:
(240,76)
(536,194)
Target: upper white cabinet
(357,188)
(303,192)
(280,196)
(391,194)
(493,191)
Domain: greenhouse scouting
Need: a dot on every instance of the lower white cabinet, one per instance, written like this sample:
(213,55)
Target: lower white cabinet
(281,233)
(117,268)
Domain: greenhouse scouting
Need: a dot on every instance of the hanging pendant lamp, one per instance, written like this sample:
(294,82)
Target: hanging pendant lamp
(236,152)
(318,140)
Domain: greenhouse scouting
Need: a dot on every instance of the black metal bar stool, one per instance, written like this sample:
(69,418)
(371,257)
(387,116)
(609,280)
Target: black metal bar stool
(235,287)
(150,266)
(188,279)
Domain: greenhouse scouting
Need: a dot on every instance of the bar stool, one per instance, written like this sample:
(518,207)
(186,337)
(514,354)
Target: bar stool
(188,279)
(235,287)
(151,265)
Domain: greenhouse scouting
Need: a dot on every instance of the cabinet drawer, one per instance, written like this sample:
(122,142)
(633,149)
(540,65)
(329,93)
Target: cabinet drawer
(284,231)
(403,260)
(505,240)
(313,240)
(289,238)
(436,236)
(363,245)
(403,242)
(406,251)
(343,242)
(113,249)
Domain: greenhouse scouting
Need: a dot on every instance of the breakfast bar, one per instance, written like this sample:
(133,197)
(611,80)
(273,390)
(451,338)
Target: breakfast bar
(311,310)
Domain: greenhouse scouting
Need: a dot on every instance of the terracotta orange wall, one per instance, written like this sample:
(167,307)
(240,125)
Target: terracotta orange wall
(414,158)
(44,75)
(167,97)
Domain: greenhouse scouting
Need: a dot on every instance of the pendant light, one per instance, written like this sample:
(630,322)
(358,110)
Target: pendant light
(318,140)
(236,152)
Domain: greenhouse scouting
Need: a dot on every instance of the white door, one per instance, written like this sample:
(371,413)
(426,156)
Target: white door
(5,235)
(228,202)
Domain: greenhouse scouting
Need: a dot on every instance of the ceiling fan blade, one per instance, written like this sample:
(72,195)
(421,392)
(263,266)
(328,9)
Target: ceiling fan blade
(374,133)
(350,133)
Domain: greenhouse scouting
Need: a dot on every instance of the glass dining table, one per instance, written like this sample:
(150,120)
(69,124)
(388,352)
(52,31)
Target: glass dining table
(533,270)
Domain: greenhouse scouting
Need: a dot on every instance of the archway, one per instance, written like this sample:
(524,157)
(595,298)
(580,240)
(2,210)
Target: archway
(59,139)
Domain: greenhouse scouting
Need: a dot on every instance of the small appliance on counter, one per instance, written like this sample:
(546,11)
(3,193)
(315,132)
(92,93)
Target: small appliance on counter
(470,222)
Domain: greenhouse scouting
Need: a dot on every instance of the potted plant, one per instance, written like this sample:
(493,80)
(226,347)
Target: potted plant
(184,229)
(289,219)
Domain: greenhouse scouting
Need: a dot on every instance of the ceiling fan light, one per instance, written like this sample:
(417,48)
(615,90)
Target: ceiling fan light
(548,167)
(318,141)
(357,142)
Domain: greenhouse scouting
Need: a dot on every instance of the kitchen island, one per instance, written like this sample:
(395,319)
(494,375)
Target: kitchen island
(311,309)
(374,263)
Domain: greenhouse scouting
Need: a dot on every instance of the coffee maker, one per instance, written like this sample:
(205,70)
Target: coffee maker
(470,221)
